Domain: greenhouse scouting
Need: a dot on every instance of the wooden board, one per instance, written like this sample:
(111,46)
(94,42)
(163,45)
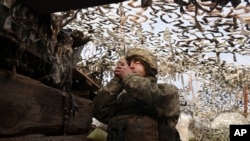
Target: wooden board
(27,106)
(45,7)
(48,138)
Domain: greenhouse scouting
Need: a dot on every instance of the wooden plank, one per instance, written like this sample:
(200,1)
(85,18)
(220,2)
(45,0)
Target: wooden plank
(28,106)
(46,7)
(48,138)
(87,77)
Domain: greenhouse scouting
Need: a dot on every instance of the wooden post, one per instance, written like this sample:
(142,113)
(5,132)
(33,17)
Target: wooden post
(245,100)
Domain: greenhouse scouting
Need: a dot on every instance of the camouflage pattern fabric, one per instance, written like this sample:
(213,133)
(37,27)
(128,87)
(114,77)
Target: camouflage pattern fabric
(160,101)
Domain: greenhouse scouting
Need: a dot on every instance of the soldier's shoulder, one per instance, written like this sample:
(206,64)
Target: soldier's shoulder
(168,87)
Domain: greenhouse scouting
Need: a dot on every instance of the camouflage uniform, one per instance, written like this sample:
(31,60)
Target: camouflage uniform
(137,108)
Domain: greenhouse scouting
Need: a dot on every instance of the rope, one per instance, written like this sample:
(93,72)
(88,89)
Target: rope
(70,108)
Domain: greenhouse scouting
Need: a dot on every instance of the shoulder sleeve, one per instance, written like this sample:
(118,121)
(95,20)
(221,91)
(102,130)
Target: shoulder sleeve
(168,103)
(162,98)
(105,100)
(114,87)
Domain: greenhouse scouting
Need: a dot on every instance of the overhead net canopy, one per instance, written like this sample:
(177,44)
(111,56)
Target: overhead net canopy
(204,41)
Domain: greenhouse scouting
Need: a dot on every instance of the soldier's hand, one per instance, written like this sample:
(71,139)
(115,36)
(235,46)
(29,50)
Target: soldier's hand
(122,69)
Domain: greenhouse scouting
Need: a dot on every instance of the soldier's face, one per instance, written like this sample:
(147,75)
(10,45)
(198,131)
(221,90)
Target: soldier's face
(137,67)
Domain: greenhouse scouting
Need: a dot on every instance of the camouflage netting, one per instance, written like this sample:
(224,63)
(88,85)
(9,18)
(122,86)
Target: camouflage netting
(218,129)
(183,42)
(208,46)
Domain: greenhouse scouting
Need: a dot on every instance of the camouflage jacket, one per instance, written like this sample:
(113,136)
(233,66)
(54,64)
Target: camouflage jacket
(137,95)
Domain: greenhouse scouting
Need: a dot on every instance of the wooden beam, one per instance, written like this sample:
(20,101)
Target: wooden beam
(45,7)
(48,138)
(30,107)
(87,77)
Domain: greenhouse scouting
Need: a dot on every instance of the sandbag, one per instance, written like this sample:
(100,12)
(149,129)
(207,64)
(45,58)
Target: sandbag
(97,134)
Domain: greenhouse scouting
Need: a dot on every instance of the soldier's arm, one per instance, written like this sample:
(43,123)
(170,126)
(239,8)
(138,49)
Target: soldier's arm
(105,100)
(163,98)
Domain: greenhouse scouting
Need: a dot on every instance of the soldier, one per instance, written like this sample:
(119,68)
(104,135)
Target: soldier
(134,106)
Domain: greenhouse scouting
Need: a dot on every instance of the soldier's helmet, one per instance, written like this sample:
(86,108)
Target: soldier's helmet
(143,54)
